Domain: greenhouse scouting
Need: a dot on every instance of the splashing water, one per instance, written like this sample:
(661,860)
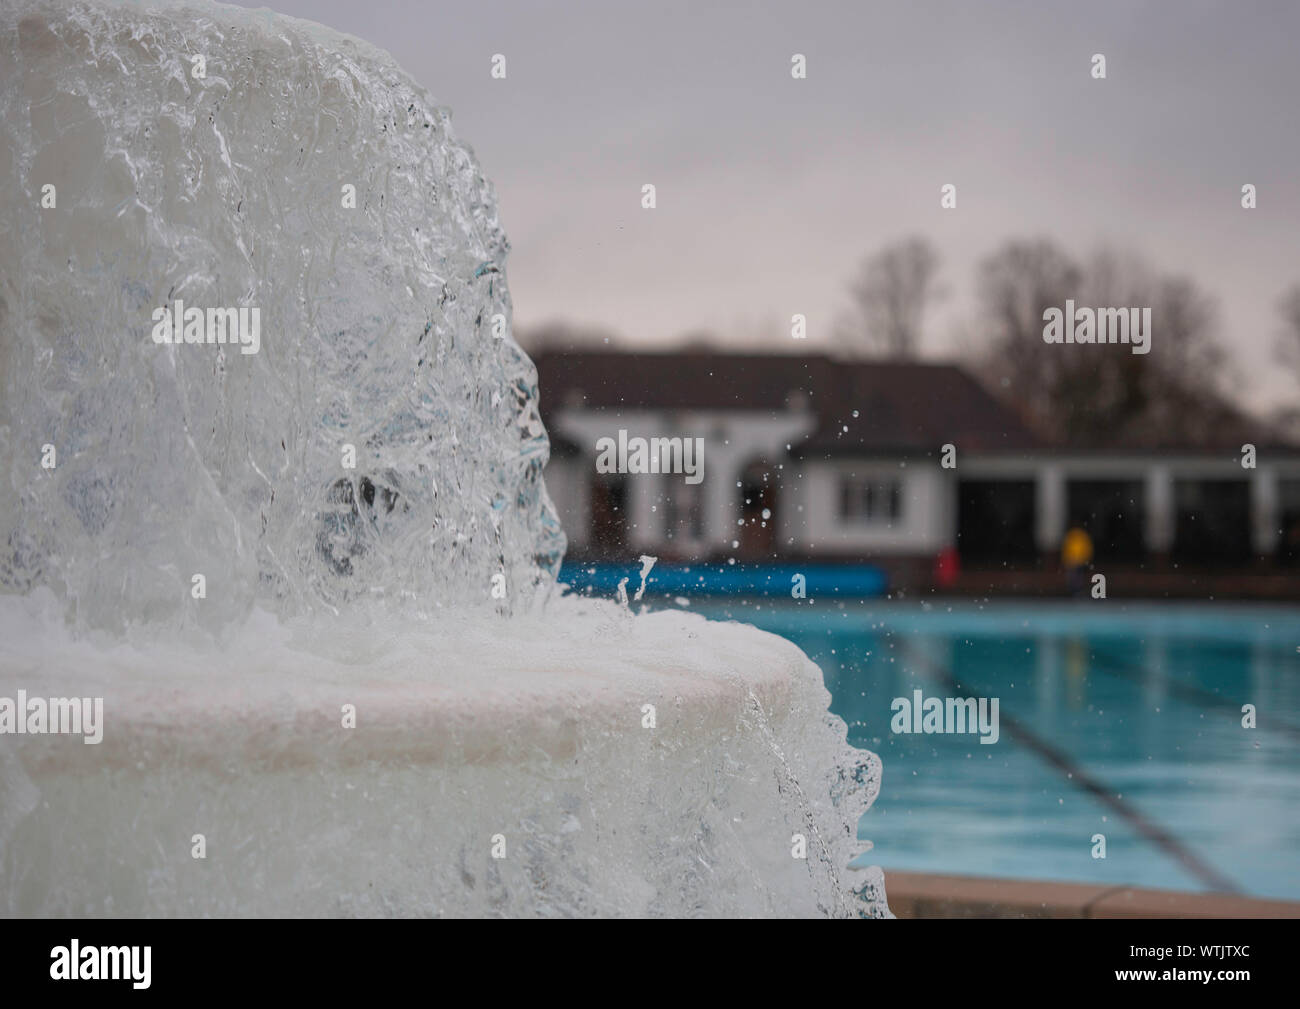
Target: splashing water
(384,439)
(647,563)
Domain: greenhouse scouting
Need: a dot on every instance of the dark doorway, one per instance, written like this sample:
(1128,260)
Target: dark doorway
(995,521)
(1288,547)
(758,509)
(609,516)
(1111,512)
(1212,521)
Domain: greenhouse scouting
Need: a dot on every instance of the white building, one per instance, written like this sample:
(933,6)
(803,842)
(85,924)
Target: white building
(810,457)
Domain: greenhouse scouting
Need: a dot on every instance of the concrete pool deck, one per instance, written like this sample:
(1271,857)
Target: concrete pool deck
(927,895)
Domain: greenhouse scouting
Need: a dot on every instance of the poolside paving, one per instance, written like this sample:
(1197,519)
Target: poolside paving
(927,895)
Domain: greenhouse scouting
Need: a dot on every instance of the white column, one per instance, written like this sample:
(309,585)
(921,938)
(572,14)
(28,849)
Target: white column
(1050,500)
(1159,509)
(568,483)
(1265,510)
(720,493)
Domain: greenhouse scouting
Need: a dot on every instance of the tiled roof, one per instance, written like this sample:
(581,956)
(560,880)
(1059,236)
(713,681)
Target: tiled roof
(902,407)
(911,407)
(679,381)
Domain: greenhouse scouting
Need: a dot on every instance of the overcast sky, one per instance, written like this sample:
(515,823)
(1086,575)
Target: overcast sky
(770,189)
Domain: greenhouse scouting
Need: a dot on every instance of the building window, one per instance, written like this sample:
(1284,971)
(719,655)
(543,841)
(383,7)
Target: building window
(870,500)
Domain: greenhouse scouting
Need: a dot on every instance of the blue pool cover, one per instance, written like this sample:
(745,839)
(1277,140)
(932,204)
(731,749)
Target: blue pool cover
(722,579)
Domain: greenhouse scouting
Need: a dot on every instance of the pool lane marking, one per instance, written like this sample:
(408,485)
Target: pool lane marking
(1063,762)
(1112,666)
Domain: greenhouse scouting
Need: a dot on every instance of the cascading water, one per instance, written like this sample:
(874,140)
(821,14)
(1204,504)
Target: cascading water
(270,460)
(382,440)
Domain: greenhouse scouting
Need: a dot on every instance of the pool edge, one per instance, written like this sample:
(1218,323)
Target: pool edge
(927,895)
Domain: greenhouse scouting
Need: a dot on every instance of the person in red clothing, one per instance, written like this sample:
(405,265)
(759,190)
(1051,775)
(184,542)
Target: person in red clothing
(947,566)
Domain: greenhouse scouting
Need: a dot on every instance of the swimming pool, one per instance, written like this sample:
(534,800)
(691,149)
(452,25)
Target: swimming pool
(1119,719)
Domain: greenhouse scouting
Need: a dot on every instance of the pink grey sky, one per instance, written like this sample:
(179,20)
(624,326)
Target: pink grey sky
(770,189)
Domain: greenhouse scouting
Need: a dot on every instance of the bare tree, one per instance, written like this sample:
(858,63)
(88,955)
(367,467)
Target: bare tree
(1188,377)
(1288,341)
(890,296)
(1084,395)
(1286,417)
(1016,284)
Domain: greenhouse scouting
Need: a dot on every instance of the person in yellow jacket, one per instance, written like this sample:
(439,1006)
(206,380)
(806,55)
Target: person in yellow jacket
(1076,555)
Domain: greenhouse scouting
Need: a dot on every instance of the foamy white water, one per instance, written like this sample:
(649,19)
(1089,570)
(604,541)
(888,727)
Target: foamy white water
(533,728)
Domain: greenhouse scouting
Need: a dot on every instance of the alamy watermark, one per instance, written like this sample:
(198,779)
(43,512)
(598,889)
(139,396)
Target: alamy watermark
(75,962)
(1103,325)
(651,455)
(946,715)
(241,325)
(23,715)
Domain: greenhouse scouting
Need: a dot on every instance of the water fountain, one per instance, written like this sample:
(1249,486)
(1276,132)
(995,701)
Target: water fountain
(313,577)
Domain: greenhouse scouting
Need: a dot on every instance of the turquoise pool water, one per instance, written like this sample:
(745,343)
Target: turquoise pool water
(1116,719)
